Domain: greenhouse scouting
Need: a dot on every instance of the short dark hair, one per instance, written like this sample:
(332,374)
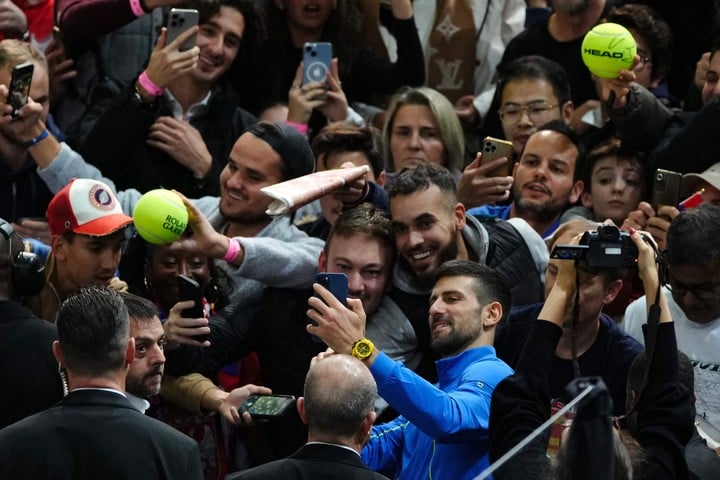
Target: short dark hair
(340,137)
(367,219)
(693,236)
(490,286)
(139,308)
(653,28)
(535,67)
(255,29)
(559,126)
(93,331)
(421,177)
(611,147)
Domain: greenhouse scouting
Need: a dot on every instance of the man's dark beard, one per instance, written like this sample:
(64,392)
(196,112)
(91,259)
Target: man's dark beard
(139,389)
(428,279)
(243,218)
(451,344)
(543,212)
(572,9)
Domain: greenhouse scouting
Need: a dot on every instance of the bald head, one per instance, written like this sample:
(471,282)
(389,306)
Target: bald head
(339,394)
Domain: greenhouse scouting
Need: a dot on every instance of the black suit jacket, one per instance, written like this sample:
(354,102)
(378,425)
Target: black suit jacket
(313,462)
(96,434)
(28,369)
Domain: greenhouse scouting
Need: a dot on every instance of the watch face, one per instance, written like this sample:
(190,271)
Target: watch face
(363,349)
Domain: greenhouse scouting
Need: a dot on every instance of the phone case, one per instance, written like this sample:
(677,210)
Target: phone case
(494,148)
(317,57)
(267,406)
(666,188)
(336,283)
(179,20)
(19,88)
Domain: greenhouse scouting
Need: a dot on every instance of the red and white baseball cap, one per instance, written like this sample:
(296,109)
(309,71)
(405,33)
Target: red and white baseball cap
(87,207)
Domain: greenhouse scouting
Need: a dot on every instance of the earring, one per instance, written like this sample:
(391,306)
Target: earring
(148,284)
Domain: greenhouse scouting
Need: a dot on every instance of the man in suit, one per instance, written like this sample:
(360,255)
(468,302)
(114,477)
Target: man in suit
(94,432)
(337,406)
(24,339)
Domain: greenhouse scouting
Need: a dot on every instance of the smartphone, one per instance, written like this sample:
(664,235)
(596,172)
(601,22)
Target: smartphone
(189,289)
(336,283)
(19,88)
(494,148)
(666,188)
(179,20)
(317,57)
(267,406)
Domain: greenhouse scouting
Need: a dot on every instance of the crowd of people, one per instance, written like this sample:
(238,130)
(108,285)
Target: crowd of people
(553,312)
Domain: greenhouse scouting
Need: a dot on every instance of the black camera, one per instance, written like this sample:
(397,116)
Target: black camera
(607,247)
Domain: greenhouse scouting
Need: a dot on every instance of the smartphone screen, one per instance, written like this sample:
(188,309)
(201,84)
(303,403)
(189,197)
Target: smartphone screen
(267,406)
(317,57)
(179,20)
(19,88)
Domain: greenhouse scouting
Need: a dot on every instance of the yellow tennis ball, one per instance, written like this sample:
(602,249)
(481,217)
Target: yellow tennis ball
(607,49)
(160,216)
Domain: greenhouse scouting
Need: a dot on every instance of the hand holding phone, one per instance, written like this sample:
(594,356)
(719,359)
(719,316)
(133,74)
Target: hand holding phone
(666,188)
(336,283)
(267,406)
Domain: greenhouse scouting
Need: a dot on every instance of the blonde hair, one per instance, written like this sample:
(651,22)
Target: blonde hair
(448,125)
(14,52)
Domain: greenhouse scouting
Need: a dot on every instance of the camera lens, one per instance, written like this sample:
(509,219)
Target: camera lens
(313,54)
(659,177)
(308,48)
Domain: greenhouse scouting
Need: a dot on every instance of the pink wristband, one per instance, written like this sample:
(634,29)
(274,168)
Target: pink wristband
(149,86)
(300,127)
(136,8)
(232,251)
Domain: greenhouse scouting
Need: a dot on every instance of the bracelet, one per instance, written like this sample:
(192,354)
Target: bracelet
(136,8)
(232,251)
(300,127)
(38,139)
(149,86)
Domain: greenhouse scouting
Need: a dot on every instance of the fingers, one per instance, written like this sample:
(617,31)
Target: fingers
(475,163)
(160,43)
(180,39)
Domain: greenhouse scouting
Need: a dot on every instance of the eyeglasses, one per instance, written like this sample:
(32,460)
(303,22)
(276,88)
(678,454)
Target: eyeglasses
(536,111)
(706,293)
(644,58)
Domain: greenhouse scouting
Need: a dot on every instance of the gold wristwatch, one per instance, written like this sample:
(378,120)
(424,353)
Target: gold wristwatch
(362,349)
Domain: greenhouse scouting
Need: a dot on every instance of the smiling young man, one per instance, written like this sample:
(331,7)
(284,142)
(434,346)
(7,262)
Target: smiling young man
(184,114)
(431,227)
(442,430)
(88,232)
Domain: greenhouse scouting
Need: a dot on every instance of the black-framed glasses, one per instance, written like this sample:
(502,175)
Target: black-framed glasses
(706,292)
(536,111)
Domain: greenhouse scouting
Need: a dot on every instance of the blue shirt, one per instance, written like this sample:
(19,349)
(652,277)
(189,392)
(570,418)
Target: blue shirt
(503,213)
(442,430)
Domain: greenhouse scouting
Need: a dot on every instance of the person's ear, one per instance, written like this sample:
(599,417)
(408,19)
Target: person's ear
(57,352)
(367,423)
(567,111)
(381,179)
(300,405)
(322,262)
(58,245)
(494,313)
(586,200)
(459,214)
(576,190)
(130,352)
(612,290)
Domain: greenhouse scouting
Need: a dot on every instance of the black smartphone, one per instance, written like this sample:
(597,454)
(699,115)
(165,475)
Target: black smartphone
(179,20)
(336,283)
(267,406)
(317,57)
(666,188)
(19,88)
(189,289)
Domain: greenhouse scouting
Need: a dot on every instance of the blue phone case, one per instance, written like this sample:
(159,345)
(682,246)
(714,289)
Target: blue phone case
(317,57)
(336,283)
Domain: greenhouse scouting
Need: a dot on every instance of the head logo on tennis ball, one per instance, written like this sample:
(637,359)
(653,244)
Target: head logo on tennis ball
(160,216)
(607,49)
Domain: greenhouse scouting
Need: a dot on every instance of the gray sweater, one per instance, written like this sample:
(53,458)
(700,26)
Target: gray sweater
(280,255)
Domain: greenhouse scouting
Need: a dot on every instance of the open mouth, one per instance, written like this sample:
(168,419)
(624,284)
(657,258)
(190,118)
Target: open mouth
(417,256)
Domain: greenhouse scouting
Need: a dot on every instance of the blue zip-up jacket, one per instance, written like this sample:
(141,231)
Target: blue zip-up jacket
(442,430)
